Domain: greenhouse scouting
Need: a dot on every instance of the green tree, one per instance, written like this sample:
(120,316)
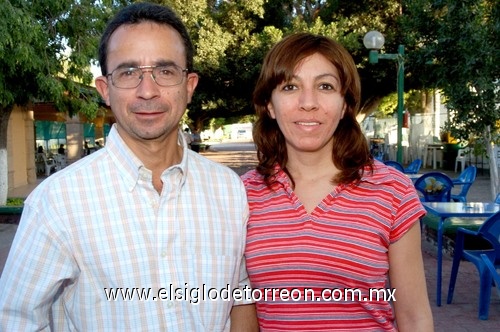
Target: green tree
(45,53)
(232,38)
(454,46)
(226,57)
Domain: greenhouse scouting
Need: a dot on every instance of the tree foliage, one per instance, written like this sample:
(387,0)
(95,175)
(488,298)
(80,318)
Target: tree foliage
(46,48)
(233,36)
(455,47)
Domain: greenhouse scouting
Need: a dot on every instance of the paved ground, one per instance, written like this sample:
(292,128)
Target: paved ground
(460,316)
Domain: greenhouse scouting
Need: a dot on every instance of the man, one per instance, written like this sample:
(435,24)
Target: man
(143,234)
(195,141)
(61,150)
(187,137)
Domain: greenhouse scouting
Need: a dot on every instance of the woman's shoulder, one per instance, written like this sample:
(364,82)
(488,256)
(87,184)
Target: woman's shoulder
(383,174)
(252,176)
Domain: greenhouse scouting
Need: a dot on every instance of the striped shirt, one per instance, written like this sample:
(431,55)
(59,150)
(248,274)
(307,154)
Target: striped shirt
(340,247)
(100,225)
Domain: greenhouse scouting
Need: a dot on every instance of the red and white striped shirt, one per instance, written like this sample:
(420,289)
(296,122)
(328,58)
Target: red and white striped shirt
(339,249)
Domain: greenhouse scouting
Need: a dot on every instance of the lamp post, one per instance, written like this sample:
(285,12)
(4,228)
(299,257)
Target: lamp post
(374,41)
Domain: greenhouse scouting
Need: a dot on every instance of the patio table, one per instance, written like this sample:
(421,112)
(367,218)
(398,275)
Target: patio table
(454,209)
(433,148)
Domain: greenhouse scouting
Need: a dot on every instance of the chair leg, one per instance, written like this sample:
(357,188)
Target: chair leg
(484,292)
(457,256)
(453,276)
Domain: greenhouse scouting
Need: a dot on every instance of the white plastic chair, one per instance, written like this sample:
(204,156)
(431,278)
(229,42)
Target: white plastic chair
(461,158)
(60,161)
(50,165)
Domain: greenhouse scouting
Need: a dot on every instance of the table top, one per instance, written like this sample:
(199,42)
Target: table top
(460,209)
(435,145)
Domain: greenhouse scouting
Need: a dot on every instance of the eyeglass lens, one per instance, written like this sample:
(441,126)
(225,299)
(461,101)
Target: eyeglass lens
(163,75)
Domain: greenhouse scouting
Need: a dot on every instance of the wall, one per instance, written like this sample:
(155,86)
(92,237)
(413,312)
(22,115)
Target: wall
(20,148)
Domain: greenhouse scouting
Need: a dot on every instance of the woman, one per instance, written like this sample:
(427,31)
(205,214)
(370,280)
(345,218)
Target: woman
(329,228)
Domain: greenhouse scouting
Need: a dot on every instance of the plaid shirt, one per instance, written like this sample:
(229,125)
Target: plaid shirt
(99,224)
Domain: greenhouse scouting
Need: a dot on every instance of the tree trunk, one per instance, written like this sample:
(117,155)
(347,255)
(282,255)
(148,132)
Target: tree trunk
(4,164)
(494,176)
(369,106)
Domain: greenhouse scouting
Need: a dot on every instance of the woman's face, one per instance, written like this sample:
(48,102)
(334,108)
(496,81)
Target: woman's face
(308,108)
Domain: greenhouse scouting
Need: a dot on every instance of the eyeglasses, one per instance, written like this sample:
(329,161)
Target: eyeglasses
(131,77)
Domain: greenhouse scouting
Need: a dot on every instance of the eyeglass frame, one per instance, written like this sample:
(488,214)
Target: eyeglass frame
(152,68)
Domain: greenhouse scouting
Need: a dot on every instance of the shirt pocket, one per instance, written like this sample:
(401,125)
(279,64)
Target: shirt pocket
(207,283)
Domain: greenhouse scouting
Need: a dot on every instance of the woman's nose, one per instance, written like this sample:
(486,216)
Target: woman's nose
(308,100)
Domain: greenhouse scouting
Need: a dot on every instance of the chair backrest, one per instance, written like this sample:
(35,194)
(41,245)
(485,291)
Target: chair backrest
(47,161)
(490,230)
(60,160)
(466,179)
(467,175)
(434,187)
(463,152)
(413,167)
(395,164)
(379,156)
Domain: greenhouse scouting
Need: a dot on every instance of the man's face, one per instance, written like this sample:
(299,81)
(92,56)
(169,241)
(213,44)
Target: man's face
(148,112)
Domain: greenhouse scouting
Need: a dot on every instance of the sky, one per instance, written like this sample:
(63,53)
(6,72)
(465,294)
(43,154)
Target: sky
(96,70)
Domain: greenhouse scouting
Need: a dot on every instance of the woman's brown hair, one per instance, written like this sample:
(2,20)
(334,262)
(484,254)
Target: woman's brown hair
(350,150)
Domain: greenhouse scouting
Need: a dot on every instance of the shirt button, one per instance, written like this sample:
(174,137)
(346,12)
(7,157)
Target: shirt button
(163,254)
(170,304)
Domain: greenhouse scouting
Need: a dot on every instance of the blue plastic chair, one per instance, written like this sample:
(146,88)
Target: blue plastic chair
(413,167)
(494,273)
(395,164)
(465,180)
(489,231)
(434,187)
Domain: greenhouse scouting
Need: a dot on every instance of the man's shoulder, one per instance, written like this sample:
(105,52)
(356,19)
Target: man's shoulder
(86,166)
(204,164)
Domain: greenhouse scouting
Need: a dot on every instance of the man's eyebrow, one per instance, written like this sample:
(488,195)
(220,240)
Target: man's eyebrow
(165,63)
(135,64)
(130,64)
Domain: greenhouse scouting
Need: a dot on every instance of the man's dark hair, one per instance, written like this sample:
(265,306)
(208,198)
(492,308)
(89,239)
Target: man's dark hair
(145,12)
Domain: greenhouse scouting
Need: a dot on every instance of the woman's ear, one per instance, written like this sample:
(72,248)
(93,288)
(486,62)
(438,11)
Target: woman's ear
(344,107)
(270,110)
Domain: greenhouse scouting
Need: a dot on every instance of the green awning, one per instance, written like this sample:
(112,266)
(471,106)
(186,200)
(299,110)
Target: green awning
(107,128)
(46,130)
(88,130)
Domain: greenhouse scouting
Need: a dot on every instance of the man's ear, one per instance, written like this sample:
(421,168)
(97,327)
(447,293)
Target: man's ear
(101,84)
(192,82)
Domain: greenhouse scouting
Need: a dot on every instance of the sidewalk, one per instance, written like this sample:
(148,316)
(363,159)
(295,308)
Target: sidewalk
(460,316)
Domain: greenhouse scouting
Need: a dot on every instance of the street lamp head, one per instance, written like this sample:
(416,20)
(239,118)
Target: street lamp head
(373,40)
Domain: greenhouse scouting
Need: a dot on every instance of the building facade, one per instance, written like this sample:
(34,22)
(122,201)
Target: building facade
(25,134)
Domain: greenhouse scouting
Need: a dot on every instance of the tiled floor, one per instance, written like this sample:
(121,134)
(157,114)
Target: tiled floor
(462,314)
